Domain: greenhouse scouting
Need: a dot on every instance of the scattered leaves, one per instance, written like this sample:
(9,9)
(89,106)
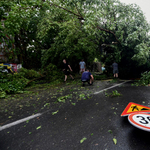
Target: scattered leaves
(38,127)
(115,141)
(110,131)
(82,140)
(53,113)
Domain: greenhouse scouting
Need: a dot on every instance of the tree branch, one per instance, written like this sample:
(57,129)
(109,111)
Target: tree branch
(67,10)
(108,31)
(78,10)
(80,17)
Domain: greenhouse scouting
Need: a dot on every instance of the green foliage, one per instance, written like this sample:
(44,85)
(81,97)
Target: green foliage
(52,73)
(2,94)
(115,141)
(114,93)
(63,98)
(15,83)
(82,96)
(144,80)
(54,113)
(142,53)
(83,139)
(47,31)
(12,86)
(29,74)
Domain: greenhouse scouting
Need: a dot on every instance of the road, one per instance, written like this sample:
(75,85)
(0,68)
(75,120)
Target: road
(91,124)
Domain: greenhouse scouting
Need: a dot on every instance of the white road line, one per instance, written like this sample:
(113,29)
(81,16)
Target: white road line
(19,121)
(39,114)
(111,87)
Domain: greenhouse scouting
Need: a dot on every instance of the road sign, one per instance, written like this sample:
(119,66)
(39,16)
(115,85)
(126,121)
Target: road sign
(140,120)
(133,108)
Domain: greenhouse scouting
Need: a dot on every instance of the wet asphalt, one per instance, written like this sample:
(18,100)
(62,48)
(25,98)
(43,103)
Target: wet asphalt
(91,124)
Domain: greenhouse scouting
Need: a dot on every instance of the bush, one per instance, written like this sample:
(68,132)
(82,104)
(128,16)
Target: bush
(2,94)
(11,83)
(29,74)
(13,86)
(145,78)
(52,72)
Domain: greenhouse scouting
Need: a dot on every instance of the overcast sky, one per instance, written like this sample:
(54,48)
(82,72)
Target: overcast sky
(144,4)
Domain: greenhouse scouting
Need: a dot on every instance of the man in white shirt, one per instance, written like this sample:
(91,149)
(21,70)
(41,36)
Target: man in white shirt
(82,66)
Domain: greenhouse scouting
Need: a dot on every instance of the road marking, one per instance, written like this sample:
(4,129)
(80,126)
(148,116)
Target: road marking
(39,114)
(19,121)
(111,87)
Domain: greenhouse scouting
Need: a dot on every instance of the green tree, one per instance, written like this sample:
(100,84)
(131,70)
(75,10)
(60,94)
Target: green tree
(20,19)
(75,29)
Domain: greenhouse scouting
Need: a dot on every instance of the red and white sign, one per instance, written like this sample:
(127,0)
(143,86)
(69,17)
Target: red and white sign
(140,120)
(133,108)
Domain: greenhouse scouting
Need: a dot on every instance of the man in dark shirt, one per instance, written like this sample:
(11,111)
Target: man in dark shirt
(87,77)
(115,69)
(66,70)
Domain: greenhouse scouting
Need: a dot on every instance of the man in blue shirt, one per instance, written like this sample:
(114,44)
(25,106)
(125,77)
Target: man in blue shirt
(87,77)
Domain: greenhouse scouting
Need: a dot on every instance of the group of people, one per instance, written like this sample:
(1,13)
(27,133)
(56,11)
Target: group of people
(86,75)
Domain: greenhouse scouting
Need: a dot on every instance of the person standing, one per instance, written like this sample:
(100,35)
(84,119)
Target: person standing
(67,69)
(115,69)
(82,65)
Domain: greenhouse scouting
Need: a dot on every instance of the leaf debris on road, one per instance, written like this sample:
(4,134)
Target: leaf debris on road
(83,139)
(115,140)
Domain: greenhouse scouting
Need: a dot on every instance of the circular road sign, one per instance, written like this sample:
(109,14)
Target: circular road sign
(140,120)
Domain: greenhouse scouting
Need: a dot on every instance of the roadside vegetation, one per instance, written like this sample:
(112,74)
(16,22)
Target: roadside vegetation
(144,80)
(17,82)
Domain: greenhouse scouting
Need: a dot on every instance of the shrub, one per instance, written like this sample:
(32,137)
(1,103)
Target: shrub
(11,83)
(145,79)
(13,86)
(52,72)
(29,74)
(2,94)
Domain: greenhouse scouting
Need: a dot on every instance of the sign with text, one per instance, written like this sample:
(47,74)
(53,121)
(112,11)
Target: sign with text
(133,108)
(140,120)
